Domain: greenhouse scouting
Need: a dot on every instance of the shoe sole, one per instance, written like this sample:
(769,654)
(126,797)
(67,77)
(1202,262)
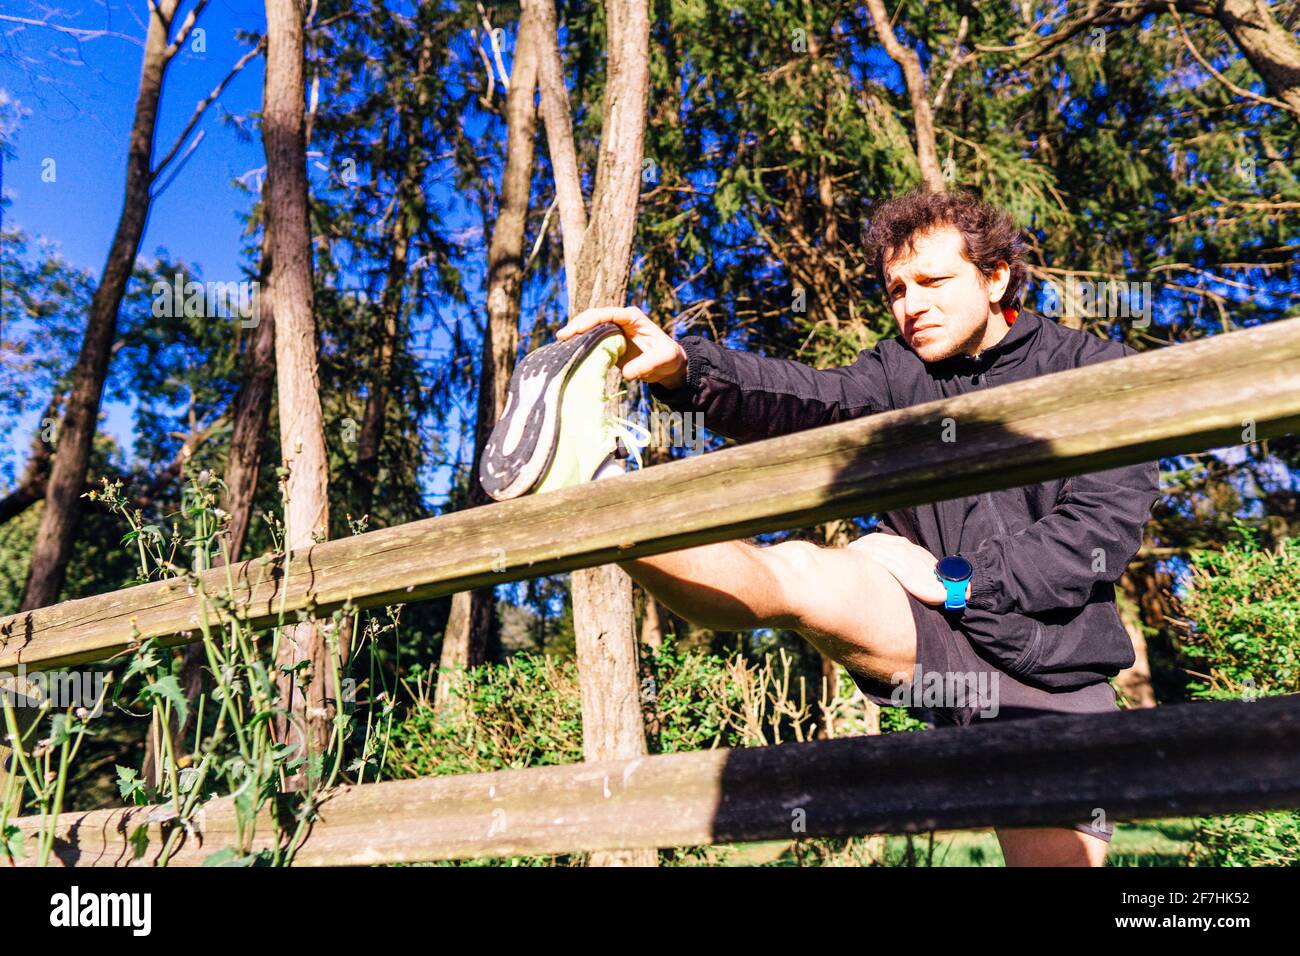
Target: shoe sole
(522,444)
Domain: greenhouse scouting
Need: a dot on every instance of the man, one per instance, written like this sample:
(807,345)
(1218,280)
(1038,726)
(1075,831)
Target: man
(1009,593)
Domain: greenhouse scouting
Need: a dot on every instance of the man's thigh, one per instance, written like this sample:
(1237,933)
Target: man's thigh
(849,607)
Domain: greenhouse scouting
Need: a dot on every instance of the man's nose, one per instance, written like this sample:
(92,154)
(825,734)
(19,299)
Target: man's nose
(915,304)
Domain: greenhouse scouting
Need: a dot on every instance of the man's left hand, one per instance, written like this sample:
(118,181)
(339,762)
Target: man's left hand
(910,564)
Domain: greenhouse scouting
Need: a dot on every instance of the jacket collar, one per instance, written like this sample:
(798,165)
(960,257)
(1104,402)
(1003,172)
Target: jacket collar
(1010,351)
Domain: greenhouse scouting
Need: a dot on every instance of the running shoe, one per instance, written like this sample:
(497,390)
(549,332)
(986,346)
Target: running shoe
(554,431)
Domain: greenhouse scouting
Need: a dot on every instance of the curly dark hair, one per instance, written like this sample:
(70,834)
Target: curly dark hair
(989,234)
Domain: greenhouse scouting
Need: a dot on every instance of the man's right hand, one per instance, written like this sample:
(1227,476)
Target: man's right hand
(652,355)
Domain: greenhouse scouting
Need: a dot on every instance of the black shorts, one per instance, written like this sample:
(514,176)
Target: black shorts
(958,687)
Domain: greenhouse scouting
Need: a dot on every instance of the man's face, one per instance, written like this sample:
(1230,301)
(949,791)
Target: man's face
(940,301)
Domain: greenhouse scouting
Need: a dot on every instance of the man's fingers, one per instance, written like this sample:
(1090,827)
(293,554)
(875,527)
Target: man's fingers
(592,317)
(638,366)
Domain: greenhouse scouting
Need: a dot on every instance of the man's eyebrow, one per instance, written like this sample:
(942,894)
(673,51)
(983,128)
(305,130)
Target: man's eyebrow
(917,273)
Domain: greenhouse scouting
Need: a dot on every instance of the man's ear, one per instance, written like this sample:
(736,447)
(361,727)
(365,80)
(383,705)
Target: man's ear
(998,282)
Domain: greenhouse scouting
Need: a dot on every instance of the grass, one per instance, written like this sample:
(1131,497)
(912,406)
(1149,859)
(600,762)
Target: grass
(1143,843)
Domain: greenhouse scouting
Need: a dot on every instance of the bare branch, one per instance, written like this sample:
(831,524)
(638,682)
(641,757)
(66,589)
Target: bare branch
(496,49)
(179,166)
(1238,90)
(183,34)
(957,61)
(77,32)
(927,155)
(204,103)
(559,139)
(541,233)
(486,99)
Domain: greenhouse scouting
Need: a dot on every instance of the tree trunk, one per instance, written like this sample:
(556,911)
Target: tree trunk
(465,639)
(834,534)
(927,154)
(36,474)
(1270,47)
(54,537)
(657,618)
(1134,682)
(603,617)
(252,410)
(657,621)
(302,437)
(60,520)
(408,197)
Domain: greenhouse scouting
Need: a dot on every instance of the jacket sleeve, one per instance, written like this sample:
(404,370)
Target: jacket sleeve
(1089,537)
(748,397)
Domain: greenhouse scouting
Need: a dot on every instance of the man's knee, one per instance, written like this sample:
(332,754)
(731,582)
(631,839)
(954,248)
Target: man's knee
(1050,846)
(810,575)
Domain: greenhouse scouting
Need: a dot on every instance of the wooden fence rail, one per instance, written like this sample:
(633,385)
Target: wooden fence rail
(1171,761)
(1174,400)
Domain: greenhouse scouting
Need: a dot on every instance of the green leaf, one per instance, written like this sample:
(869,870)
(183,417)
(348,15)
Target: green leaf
(227,857)
(128,782)
(139,841)
(14,841)
(60,730)
(168,688)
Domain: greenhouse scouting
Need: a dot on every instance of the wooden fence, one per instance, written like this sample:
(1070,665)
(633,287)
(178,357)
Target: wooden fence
(1203,758)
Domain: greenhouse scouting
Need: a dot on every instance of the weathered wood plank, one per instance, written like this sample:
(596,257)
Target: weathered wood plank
(1177,760)
(1180,399)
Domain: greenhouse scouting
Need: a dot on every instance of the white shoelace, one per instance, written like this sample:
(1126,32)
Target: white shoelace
(635,436)
(627,431)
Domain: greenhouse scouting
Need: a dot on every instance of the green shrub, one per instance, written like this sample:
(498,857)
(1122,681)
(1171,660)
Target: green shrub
(1243,635)
(526,713)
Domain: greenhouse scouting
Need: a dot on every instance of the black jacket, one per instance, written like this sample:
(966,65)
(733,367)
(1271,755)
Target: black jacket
(1046,556)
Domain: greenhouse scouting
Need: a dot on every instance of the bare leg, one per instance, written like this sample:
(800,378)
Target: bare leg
(840,599)
(1051,846)
(849,606)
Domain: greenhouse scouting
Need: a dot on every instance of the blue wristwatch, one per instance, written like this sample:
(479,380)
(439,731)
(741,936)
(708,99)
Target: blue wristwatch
(954,572)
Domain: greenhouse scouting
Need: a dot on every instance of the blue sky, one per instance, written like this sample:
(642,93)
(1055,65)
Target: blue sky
(76,99)
(79,98)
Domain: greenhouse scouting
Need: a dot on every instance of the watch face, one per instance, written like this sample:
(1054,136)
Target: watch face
(954,568)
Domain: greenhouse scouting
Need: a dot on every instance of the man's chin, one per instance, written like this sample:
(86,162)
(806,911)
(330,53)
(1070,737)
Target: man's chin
(934,351)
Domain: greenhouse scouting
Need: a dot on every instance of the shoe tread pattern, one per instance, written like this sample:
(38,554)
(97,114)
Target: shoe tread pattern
(510,473)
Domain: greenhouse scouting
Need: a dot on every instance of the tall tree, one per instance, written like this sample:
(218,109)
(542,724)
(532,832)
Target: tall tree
(409,200)
(308,694)
(250,413)
(603,616)
(56,534)
(59,522)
